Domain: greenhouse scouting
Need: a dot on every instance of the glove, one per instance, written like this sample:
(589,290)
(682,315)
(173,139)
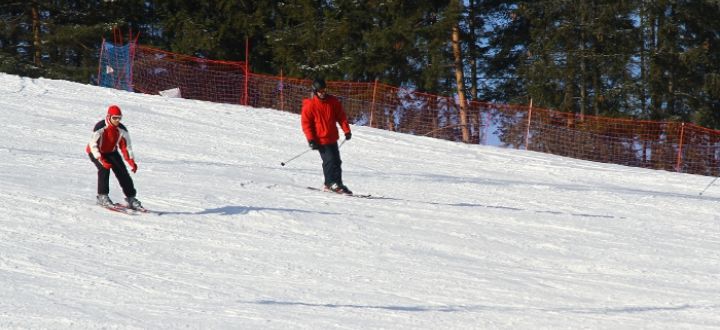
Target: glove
(133,165)
(313,145)
(348,135)
(104,163)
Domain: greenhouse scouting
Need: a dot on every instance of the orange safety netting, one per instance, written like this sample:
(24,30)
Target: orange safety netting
(156,71)
(671,146)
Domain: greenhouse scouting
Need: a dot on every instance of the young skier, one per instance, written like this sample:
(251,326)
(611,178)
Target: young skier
(320,115)
(108,136)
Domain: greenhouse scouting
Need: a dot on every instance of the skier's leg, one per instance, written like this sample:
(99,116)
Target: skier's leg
(122,175)
(336,167)
(326,164)
(103,177)
(331,164)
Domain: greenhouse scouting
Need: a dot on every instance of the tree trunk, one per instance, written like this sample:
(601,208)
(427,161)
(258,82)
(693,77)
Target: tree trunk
(583,73)
(472,49)
(459,77)
(36,35)
(643,66)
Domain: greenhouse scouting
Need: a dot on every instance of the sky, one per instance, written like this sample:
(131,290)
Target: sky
(454,235)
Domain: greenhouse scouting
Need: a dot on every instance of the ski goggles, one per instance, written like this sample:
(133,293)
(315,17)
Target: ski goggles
(118,118)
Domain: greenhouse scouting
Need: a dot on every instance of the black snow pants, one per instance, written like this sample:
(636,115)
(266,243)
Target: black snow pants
(330,154)
(121,173)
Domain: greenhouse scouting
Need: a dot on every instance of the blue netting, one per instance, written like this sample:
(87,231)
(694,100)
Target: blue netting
(116,67)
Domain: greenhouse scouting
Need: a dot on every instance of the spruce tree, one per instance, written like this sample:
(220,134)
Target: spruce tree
(16,39)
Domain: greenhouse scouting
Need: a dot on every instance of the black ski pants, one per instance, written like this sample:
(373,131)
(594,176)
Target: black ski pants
(121,173)
(332,170)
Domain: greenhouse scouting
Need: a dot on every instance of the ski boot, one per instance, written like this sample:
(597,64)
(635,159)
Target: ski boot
(338,188)
(104,200)
(134,203)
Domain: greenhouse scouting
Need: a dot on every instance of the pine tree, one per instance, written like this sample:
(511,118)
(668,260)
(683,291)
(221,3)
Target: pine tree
(507,35)
(61,39)
(696,62)
(16,39)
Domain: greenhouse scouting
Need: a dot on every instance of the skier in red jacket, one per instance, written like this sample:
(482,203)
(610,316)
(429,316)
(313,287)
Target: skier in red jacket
(108,136)
(320,116)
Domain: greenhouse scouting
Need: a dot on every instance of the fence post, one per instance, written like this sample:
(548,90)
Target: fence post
(282,91)
(678,165)
(488,122)
(527,133)
(100,62)
(247,74)
(372,105)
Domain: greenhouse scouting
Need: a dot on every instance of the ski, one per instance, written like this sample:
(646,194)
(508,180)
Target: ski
(144,210)
(119,208)
(124,209)
(348,195)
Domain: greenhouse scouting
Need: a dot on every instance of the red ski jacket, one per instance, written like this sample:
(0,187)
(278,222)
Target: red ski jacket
(319,118)
(108,138)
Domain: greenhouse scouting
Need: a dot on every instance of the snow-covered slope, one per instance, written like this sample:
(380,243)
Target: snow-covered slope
(460,236)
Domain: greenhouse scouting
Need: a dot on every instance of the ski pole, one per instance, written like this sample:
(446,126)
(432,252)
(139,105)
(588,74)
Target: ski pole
(289,160)
(302,153)
(708,186)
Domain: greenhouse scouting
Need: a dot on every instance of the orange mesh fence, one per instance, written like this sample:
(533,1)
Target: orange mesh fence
(668,146)
(156,71)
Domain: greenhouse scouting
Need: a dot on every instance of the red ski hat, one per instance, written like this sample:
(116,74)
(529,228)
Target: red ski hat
(114,110)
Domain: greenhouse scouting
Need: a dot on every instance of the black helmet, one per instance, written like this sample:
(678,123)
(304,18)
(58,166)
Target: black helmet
(318,84)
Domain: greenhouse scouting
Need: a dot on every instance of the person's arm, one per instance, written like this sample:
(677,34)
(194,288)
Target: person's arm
(342,118)
(307,120)
(126,149)
(125,145)
(95,140)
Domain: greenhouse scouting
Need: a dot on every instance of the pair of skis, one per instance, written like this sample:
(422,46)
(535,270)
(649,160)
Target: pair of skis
(341,194)
(124,209)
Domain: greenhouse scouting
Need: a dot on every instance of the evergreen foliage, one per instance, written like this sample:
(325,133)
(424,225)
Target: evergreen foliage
(655,60)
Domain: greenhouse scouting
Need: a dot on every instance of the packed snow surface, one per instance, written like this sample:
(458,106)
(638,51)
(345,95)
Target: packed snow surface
(456,236)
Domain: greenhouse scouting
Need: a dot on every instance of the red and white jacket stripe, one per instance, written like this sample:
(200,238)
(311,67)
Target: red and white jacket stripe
(108,138)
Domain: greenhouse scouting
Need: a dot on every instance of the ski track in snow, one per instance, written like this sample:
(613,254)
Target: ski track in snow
(457,236)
